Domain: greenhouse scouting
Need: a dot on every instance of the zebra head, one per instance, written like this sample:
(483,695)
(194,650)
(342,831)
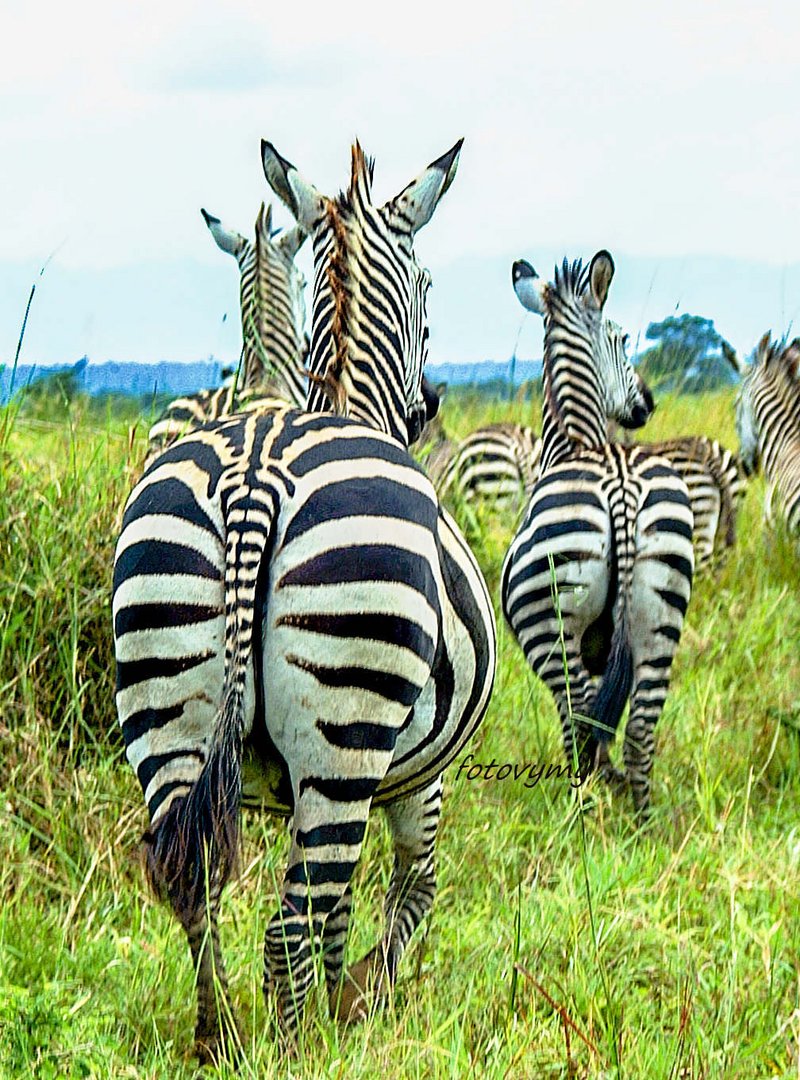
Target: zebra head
(369,323)
(582,346)
(272,297)
(768,402)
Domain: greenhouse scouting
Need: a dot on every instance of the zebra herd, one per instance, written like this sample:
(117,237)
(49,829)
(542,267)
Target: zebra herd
(301,627)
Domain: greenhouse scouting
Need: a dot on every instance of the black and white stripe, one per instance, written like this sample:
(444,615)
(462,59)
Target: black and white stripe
(497,462)
(768,425)
(274,344)
(318,535)
(598,577)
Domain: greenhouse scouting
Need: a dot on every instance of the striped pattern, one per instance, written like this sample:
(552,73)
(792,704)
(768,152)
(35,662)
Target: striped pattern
(374,635)
(274,345)
(499,462)
(715,481)
(597,579)
(768,425)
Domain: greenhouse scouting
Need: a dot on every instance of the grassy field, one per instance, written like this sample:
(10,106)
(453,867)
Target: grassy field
(563,942)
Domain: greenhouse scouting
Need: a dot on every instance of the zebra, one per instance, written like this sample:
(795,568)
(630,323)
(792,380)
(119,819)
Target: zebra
(274,343)
(768,425)
(375,640)
(501,461)
(715,480)
(597,579)
(498,462)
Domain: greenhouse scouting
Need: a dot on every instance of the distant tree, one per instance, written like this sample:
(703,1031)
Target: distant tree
(53,391)
(688,354)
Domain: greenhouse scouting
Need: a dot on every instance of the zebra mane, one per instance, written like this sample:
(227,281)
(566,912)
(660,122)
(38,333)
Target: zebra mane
(779,356)
(570,280)
(362,171)
(346,206)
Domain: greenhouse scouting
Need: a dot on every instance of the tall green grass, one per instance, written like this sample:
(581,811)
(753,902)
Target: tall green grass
(563,942)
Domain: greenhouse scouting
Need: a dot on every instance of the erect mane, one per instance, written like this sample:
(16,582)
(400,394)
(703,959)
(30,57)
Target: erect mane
(570,279)
(339,212)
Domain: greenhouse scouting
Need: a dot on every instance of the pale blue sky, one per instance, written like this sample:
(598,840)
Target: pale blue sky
(663,132)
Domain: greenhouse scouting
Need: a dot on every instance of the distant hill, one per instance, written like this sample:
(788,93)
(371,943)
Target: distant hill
(170,379)
(136,380)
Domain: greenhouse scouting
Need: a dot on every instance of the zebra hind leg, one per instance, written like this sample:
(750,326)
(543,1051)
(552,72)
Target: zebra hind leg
(647,701)
(569,682)
(413,821)
(217,1034)
(327,837)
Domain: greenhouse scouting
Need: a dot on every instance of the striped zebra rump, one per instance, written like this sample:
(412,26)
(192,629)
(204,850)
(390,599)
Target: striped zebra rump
(599,577)
(375,654)
(715,481)
(498,461)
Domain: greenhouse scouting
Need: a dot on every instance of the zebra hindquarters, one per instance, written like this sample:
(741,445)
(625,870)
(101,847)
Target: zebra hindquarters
(349,641)
(660,590)
(557,596)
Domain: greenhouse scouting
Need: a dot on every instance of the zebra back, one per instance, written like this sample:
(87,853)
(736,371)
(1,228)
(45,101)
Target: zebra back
(498,461)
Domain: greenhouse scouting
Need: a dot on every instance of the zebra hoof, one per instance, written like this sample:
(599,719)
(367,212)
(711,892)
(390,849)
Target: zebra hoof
(362,986)
(615,778)
(215,1048)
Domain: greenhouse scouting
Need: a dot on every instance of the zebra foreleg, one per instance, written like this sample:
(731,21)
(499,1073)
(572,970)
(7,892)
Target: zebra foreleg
(413,821)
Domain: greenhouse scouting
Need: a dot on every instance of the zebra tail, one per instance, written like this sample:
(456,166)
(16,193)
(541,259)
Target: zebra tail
(193,850)
(617,679)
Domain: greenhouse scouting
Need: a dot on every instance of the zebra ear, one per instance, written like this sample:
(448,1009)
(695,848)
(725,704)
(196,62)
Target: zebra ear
(303,200)
(601,273)
(528,286)
(228,240)
(416,203)
(291,242)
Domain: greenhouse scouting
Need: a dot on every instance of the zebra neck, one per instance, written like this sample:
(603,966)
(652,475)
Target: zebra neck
(573,416)
(357,357)
(778,435)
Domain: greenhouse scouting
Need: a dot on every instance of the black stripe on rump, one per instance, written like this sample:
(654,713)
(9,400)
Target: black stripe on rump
(135,617)
(163,558)
(386,684)
(173,497)
(151,765)
(132,672)
(560,500)
(353,449)
(555,529)
(140,723)
(391,629)
(359,736)
(364,562)
(363,497)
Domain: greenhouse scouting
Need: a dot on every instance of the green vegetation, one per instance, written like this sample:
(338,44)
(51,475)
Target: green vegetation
(562,943)
(687,355)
